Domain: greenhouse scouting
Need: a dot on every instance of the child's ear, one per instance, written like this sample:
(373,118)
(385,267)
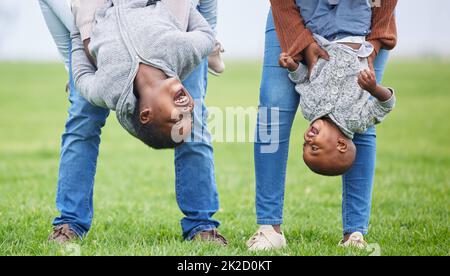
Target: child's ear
(342,145)
(146,116)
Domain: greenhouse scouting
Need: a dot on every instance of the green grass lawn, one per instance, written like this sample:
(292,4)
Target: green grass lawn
(135,208)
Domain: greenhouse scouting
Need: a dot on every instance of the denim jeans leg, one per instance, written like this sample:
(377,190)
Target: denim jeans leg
(358,181)
(277,96)
(60,23)
(208,9)
(196,189)
(78,162)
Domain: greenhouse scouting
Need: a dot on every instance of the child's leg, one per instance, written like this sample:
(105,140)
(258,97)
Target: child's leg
(59,21)
(208,8)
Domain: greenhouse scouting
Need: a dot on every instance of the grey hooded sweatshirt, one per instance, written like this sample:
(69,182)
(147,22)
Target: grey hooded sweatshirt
(127,33)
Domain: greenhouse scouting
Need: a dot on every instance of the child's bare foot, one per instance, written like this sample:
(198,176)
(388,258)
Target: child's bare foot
(216,66)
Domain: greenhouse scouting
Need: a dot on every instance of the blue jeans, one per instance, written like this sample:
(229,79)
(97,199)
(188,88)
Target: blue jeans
(208,8)
(278,92)
(336,21)
(194,164)
(59,20)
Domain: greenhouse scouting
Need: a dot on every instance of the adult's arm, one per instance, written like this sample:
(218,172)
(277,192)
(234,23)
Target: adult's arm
(294,37)
(84,12)
(384,26)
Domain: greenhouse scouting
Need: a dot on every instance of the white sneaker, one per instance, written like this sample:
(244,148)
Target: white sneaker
(266,238)
(216,66)
(355,240)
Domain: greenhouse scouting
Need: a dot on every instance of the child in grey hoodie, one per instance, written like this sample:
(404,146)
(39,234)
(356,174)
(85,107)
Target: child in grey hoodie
(143,52)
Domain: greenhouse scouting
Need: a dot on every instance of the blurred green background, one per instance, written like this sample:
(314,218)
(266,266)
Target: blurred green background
(135,207)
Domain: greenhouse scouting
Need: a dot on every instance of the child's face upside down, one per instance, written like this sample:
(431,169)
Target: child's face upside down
(326,150)
(164,102)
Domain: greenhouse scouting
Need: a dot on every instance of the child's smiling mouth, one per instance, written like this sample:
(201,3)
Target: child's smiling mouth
(181,98)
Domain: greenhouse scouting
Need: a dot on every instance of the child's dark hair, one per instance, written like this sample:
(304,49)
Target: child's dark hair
(150,134)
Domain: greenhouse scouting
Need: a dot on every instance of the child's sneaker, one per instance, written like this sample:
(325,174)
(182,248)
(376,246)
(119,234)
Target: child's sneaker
(355,240)
(216,66)
(266,238)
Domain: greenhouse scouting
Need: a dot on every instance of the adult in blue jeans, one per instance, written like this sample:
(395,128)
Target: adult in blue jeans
(196,194)
(290,25)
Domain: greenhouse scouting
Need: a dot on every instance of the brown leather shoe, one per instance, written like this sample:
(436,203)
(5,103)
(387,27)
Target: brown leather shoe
(62,234)
(211,236)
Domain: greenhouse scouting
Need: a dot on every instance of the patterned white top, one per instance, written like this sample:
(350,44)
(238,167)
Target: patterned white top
(333,92)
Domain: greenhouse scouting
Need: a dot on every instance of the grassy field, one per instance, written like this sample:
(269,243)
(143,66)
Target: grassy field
(135,207)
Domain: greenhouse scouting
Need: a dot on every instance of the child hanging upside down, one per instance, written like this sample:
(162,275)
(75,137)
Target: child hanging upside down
(142,50)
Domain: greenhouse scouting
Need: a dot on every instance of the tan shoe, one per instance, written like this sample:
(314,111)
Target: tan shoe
(266,238)
(355,240)
(211,236)
(63,234)
(216,66)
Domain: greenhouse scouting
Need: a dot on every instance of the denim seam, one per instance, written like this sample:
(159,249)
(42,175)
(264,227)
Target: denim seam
(344,205)
(177,177)
(285,157)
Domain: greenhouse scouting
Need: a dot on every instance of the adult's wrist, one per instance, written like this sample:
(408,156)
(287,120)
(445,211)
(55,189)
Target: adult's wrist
(303,52)
(377,45)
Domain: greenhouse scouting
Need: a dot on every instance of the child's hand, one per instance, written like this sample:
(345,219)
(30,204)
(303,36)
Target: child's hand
(367,80)
(288,62)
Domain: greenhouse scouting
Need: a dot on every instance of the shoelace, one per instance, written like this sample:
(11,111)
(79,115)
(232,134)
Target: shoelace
(60,231)
(216,235)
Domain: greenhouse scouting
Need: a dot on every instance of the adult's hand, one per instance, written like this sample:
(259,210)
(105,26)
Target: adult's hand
(311,55)
(88,54)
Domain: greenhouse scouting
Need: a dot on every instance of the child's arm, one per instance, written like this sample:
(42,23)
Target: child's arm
(194,45)
(375,110)
(84,73)
(297,72)
(199,36)
(368,82)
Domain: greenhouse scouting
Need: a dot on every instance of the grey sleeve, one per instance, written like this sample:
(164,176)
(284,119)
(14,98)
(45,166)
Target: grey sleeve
(300,75)
(84,73)
(377,111)
(200,34)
